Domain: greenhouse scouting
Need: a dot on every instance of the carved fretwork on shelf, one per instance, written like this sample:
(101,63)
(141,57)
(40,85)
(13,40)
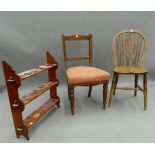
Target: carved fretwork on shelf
(17,104)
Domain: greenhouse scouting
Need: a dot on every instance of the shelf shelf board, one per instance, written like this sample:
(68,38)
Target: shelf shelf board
(37,92)
(34,71)
(30,120)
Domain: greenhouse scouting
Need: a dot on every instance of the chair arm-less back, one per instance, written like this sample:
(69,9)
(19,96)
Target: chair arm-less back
(77,38)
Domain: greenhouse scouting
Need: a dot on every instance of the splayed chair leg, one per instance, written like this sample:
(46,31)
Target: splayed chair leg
(112,89)
(117,76)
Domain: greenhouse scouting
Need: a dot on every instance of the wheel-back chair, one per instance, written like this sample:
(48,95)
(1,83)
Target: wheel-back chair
(129,47)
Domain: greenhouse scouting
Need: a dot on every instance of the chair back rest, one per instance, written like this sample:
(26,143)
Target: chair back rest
(129,47)
(77,38)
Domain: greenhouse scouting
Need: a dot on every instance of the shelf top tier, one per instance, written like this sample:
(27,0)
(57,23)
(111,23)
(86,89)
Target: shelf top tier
(34,71)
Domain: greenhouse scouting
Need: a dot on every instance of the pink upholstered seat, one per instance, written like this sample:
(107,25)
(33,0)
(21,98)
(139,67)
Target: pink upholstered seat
(86,75)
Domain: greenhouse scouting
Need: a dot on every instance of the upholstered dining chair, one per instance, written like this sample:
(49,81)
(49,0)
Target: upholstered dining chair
(129,47)
(83,75)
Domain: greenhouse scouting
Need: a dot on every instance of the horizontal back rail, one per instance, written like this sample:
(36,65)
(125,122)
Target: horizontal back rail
(77,58)
(76,37)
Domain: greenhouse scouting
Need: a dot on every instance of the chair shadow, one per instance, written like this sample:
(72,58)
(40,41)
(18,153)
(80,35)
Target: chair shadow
(82,102)
(128,102)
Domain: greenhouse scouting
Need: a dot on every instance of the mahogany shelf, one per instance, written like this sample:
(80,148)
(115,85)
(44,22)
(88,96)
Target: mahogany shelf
(34,71)
(37,92)
(17,104)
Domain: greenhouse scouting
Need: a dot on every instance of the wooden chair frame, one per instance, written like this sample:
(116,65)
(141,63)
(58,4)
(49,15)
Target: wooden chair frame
(78,58)
(137,59)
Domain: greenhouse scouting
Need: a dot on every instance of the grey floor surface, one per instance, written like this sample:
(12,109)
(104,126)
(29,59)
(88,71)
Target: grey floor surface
(125,121)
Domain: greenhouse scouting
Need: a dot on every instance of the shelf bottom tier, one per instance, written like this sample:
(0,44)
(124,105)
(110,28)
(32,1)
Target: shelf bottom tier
(30,120)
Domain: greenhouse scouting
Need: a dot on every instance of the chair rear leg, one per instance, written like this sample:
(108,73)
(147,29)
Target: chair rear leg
(90,90)
(112,89)
(136,84)
(105,91)
(68,93)
(71,97)
(145,91)
(117,76)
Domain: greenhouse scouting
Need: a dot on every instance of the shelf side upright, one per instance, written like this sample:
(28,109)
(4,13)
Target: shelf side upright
(52,77)
(17,107)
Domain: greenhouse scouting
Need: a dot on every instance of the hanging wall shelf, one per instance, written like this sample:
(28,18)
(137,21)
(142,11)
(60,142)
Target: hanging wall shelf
(17,104)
